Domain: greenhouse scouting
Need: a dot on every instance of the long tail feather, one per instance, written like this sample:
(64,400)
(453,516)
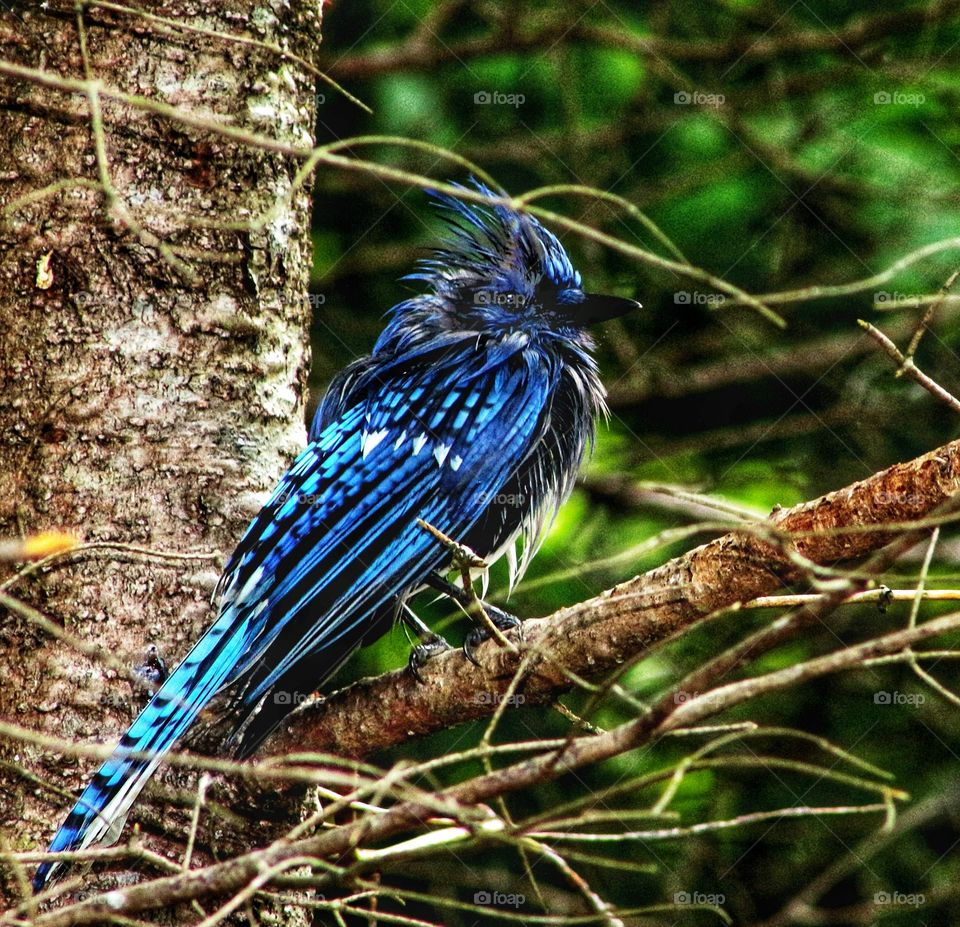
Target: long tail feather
(99,814)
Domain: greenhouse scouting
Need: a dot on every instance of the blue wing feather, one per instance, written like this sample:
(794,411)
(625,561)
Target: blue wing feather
(376,540)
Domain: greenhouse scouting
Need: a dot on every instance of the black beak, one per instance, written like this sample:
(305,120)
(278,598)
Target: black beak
(597,308)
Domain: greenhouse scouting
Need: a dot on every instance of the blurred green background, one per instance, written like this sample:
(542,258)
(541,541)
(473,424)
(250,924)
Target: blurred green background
(779,146)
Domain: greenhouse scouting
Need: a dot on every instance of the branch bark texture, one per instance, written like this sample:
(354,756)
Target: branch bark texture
(593,638)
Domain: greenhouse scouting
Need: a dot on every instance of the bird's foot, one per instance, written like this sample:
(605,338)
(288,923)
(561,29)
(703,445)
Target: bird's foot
(503,621)
(424,652)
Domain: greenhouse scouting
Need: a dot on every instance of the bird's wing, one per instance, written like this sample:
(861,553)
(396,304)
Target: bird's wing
(431,440)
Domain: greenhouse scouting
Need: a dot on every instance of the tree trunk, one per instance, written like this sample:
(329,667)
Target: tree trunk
(153,357)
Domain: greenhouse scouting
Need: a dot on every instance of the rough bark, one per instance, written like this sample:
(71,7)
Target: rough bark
(142,402)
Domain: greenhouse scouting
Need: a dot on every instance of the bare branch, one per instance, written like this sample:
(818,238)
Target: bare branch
(909,368)
(595,637)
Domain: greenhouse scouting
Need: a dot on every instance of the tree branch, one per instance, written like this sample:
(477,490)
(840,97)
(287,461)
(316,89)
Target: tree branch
(593,638)
(255,868)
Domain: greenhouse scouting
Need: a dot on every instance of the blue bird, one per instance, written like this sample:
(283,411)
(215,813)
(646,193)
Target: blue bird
(472,413)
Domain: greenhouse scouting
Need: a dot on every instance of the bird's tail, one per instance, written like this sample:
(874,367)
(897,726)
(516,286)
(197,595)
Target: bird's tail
(99,814)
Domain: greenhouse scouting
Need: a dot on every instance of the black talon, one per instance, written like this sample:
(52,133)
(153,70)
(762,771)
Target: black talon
(470,645)
(431,645)
(503,622)
(424,652)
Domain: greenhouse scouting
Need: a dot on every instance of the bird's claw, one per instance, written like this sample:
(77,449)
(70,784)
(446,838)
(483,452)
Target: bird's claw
(424,652)
(503,622)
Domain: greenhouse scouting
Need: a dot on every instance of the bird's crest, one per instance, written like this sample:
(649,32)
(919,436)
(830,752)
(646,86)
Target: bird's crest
(494,248)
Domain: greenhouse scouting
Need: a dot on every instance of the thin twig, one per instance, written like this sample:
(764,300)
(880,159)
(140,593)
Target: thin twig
(928,316)
(464,560)
(881,595)
(908,367)
(202,787)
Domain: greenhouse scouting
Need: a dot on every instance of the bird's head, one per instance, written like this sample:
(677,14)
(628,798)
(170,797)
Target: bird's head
(501,272)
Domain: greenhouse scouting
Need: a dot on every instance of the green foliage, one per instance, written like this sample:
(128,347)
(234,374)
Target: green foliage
(814,164)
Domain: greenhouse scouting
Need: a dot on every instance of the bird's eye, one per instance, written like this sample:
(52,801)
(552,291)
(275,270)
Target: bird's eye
(552,299)
(568,297)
